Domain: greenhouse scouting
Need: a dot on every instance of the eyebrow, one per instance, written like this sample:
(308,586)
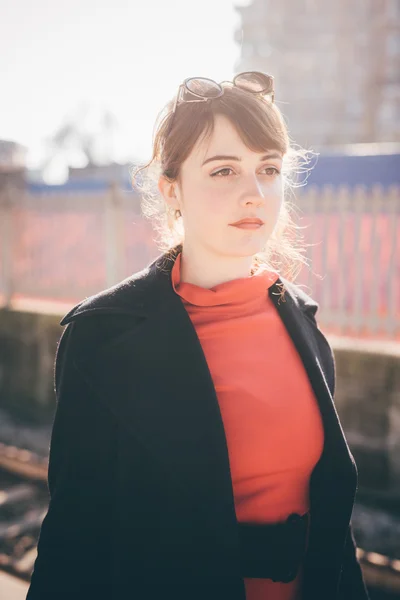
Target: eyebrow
(228,157)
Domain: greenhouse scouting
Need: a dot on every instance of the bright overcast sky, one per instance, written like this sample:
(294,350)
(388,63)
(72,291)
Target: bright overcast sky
(125,55)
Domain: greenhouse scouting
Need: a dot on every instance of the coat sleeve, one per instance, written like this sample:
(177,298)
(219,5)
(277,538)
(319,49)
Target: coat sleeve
(352,585)
(74,557)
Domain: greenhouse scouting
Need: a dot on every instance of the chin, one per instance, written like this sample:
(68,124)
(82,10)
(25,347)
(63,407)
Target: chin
(249,247)
(247,250)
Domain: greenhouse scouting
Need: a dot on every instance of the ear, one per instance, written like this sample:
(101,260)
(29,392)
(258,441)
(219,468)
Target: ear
(168,191)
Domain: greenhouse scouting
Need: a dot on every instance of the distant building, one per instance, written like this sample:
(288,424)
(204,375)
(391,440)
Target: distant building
(12,164)
(12,155)
(336,66)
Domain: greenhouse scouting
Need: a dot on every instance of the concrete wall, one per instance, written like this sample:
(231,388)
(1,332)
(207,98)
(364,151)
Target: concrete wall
(368,402)
(367,397)
(28,343)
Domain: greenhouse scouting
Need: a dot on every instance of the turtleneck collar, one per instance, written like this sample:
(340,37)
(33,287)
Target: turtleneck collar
(234,293)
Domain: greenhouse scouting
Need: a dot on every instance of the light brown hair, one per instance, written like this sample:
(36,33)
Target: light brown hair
(261,126)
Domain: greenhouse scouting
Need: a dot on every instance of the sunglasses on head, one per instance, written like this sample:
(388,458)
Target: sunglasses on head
(201,89)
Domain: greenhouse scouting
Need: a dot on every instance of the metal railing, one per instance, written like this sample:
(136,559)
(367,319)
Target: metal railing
(354,252)
(60,248)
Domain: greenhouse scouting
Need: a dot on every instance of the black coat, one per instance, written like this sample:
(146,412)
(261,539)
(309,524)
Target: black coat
(141,493)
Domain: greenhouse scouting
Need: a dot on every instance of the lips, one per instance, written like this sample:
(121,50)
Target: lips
(249,222)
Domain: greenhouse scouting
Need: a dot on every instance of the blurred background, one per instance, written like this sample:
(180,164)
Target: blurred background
(81,86)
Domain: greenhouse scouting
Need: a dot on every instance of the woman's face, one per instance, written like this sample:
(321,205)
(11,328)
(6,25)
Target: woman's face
(213,193)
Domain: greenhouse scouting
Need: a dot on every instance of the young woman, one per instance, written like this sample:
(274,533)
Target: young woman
(196,450)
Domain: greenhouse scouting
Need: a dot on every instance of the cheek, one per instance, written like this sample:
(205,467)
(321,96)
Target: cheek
(274,197)
(209,202)
(216,203)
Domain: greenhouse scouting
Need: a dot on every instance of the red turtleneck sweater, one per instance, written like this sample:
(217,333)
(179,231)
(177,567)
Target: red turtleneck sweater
(272,421)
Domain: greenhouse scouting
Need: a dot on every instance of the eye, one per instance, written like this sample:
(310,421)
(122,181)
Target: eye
(221,171)
(272,171)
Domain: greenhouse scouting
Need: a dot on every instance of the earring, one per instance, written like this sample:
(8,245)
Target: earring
(177,213)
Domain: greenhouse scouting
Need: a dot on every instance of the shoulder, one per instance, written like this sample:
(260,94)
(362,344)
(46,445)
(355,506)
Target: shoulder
(98,319)
(309,307)
(134,295)
(301,299)
(125,297)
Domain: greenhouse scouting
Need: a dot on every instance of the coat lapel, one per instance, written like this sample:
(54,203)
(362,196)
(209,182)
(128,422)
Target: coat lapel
(334,479)
(303,333)
(155,379)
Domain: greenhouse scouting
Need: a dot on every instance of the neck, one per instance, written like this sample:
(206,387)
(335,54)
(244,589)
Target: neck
(208,269)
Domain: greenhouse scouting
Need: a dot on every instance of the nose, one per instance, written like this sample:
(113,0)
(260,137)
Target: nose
(253,192)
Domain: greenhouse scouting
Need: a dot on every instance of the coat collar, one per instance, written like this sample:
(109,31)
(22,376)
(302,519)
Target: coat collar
(144,292)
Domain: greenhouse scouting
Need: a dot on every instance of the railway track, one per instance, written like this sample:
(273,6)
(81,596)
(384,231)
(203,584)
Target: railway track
(23,505)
